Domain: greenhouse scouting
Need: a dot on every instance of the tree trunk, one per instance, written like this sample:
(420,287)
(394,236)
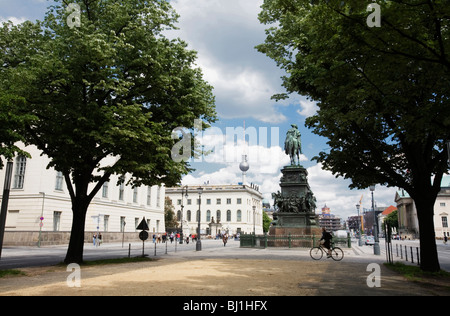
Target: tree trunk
(76,243)
(428,251)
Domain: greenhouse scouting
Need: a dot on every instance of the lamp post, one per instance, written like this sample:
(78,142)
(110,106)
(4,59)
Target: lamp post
(359,226)
(5,200)
(182,206)
(376,246)
(198,246)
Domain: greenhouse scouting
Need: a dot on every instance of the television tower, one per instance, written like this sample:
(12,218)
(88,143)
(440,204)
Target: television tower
(244,166)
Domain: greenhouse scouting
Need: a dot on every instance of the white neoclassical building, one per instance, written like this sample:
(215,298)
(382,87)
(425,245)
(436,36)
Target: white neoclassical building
(228,209)
(39,206)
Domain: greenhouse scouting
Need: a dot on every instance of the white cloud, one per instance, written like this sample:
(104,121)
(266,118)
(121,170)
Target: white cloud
(13,19)
(308,108)
(224,33)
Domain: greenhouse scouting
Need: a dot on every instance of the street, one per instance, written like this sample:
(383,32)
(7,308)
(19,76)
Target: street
(20,257)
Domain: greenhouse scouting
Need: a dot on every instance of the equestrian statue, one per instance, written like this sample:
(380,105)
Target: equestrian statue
(293,144)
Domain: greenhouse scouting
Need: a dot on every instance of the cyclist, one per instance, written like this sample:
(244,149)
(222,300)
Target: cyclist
(326,238)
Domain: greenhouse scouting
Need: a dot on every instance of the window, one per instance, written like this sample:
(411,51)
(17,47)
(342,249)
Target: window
(239,201)
(189,202)
(19,178)
(135,195)
(228,201)
(136,223)
(442,204)
(105,189)
(106,223)
(56,221)
(149,196)
(158,197)
(239,216)
(59,181)
(197,215)
(444,221)
(188,216)
(179,202)
(218,201)
(218,216)
(121,188)
(228,216)
(122,224)
(208,216)
(179,216)
(208,201)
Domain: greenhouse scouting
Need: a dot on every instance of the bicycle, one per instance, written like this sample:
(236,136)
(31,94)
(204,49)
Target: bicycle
(317,252)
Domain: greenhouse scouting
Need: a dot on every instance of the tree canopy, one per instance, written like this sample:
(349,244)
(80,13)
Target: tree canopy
(382,92)
(111,85)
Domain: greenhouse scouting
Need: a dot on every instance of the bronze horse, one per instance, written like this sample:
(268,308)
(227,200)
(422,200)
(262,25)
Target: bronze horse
(293,145)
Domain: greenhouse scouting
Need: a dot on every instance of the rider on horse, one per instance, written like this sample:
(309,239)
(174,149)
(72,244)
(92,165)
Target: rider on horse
(293,144)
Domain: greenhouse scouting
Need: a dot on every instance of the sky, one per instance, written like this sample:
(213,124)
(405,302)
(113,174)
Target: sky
(224,33)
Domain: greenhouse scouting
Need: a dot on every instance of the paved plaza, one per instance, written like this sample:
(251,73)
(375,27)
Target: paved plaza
(217,271)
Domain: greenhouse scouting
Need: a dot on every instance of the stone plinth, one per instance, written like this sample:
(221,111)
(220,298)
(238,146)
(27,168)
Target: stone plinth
(293,236)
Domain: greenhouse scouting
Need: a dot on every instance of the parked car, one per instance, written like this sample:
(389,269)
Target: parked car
(370,240)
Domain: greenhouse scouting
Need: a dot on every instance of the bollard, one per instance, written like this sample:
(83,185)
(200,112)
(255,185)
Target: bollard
(396,248)
(155,248)
(406,253)
(418,257)
(129,250)
(401,252)
(412,256)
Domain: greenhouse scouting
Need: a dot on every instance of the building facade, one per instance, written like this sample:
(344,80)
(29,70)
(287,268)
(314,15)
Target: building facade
(40,206)
(407,213)
(329,221)
(232,209)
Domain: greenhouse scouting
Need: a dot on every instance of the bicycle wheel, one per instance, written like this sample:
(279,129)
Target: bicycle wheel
(337,254)
(316,253)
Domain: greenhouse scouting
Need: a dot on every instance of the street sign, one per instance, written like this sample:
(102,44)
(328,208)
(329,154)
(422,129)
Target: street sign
(143,235)
(143,225)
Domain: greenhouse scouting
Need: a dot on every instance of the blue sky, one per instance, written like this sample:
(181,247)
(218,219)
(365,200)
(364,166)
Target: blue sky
(224,33)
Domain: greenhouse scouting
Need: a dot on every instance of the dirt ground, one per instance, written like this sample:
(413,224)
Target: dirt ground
(211,277)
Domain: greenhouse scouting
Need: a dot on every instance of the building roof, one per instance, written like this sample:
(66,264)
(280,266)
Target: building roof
(389,210)
(445,183)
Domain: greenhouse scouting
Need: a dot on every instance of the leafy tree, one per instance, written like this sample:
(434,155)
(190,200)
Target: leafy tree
(392,220)
(382,92)
(266,222)
(107,94)
(12,116)
(169,214)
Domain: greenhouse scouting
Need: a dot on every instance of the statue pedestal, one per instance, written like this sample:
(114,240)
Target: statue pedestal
(295,223)
(293,236)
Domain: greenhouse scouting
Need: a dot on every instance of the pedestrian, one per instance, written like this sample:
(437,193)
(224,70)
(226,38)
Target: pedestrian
(445,239)
(99,239)
(94,238)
